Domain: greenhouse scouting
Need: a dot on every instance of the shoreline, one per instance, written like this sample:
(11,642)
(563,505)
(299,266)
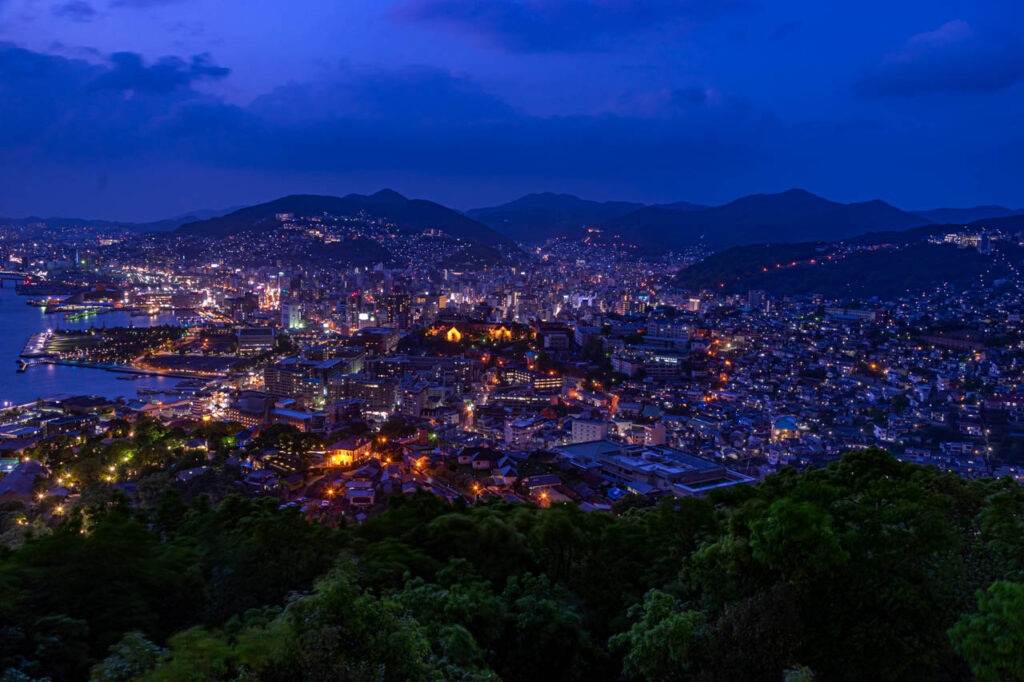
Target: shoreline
(128,370)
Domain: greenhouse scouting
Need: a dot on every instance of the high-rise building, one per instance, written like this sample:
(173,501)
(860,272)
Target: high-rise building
(291,315)
(253,340)
(398,308)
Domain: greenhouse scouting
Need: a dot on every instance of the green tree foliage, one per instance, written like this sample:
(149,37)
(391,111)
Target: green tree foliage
(128,660)
(991,639)
(665,641)
(863,570)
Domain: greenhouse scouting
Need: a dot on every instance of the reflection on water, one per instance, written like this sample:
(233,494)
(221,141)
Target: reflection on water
(19,321)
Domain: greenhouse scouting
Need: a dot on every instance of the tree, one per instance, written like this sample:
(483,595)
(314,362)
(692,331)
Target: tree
(128,660)
(796,539)
(547,638)
(743,656)
(61,646)
(991,640)
(397,427)
(342,634)
(899,403)
(664,642)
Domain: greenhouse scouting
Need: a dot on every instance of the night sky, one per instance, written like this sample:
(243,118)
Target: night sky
(143,109)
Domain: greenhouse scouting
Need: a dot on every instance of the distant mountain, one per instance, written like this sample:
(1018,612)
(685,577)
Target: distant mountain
(647,226)
(792,269)
(840,222)
(790,216)
(411,215)
(536,217)
(165,225)
(177,221)
(683,206)
(963,216)
(1010,223)
(900,237)
(56,221)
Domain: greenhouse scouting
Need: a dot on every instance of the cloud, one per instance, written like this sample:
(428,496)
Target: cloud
(952,58)
(555,25)
(144,3)
(76,10)
(154,122)
(421,120)
(691,103)
(422,94)
(60,107)
(129,72)
(785,30)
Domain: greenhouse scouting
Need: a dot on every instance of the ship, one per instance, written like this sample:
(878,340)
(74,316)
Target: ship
(82,315)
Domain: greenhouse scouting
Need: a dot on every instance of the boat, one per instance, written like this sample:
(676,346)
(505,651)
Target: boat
(81,315)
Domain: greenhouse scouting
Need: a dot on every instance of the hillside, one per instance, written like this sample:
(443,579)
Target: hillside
(963,216)
(412,215)
(536,217)
(655,226)
(864,570)
(164,225)
(1011,224)
(791,216)
(789,269)
(836,223)
(683,206)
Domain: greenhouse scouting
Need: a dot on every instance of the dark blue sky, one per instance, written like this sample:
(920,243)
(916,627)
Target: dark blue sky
(139,109)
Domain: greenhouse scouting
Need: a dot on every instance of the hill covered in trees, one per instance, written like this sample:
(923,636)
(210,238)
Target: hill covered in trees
(791,216)
(869,569)
(786,269)
(409,215)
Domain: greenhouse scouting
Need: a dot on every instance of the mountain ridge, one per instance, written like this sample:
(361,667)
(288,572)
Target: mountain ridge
(790,216)
(538,216)
(966,215)
(409,214)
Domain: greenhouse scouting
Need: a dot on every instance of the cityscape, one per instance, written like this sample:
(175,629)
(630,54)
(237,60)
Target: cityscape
(451,434)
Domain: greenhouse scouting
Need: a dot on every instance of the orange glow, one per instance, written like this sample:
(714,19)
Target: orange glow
(500,334)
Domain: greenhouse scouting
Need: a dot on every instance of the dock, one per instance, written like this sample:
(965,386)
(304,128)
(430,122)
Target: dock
(36,346)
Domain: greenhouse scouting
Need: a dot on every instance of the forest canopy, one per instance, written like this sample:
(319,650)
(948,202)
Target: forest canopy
(869,569)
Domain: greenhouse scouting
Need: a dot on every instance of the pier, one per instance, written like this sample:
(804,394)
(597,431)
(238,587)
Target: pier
(36,346)
(127,370)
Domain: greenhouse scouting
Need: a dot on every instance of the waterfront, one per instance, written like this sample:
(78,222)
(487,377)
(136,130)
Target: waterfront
(20,321)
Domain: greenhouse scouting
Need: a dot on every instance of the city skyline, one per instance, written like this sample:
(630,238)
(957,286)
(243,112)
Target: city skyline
(511,340)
